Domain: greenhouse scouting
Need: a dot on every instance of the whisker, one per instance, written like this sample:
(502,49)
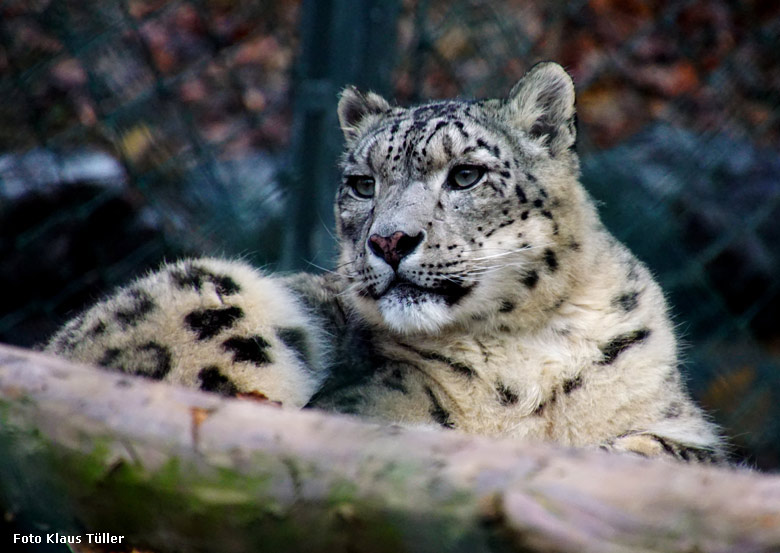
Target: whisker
(349,275)
(503,254)
(506,251)
(327,228)
(349,289)
(321,268)
(349,262)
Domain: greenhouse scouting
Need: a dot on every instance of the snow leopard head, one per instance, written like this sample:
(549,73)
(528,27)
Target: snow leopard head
(458,211)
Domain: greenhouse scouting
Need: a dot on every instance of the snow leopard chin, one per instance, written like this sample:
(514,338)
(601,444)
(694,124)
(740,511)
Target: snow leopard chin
(424,314)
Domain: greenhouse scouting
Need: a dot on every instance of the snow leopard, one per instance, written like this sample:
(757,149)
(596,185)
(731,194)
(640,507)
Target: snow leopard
(476,289)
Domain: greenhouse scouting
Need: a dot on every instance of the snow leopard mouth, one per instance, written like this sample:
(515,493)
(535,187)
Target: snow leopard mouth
(450,292)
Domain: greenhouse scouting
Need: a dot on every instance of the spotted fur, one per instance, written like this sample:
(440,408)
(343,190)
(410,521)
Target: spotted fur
(205,323)
(477,290)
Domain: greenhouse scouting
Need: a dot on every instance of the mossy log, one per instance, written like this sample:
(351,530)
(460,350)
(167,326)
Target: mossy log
(84,450)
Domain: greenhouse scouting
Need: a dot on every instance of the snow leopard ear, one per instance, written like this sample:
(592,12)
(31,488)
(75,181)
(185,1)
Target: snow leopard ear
(542,104)
(355,108)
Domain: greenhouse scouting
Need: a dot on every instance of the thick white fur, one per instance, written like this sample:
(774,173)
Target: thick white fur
(266,304)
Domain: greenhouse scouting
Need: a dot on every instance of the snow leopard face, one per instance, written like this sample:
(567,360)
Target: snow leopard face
(456,211)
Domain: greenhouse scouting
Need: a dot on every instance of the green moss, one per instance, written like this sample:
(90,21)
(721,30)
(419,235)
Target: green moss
(343,491)
(186,504)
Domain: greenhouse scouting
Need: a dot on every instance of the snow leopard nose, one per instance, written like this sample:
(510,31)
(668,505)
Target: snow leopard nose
(395,247)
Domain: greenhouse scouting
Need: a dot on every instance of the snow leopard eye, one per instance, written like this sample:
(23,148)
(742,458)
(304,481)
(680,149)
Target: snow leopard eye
(465,176)
(361,186)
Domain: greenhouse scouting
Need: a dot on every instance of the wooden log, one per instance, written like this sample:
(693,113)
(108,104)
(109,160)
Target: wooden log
(86,451)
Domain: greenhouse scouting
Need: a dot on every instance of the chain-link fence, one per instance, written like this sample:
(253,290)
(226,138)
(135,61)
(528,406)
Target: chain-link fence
(137,130)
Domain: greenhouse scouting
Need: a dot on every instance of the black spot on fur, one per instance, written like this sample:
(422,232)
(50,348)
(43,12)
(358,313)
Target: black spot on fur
(531,279)
(141,306)
(295,339)
(150,360)
(627,302)
(461,368)
(538,202)
(97,330)
(506,306)
(521,194)
(212,380)
(225,285)
(194,276)
(395,381)
(439,414)
(550,260)
(210,322)
(505,395)
(544,404)
(191,277)
(612,349)
(572,384)
(482,144)
(251,349)
(159,363)
(109,358)
(667,446)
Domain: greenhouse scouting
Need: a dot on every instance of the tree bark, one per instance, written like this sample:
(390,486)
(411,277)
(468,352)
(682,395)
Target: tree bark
(83,450)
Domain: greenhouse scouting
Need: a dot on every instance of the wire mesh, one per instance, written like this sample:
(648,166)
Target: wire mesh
(137,130)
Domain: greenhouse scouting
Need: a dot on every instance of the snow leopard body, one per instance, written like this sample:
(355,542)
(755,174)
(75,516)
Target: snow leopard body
(476,290)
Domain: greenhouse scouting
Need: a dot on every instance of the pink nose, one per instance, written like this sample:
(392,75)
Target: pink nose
(395,247)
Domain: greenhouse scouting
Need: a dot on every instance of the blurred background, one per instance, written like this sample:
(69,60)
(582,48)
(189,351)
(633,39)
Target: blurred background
(133,131)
